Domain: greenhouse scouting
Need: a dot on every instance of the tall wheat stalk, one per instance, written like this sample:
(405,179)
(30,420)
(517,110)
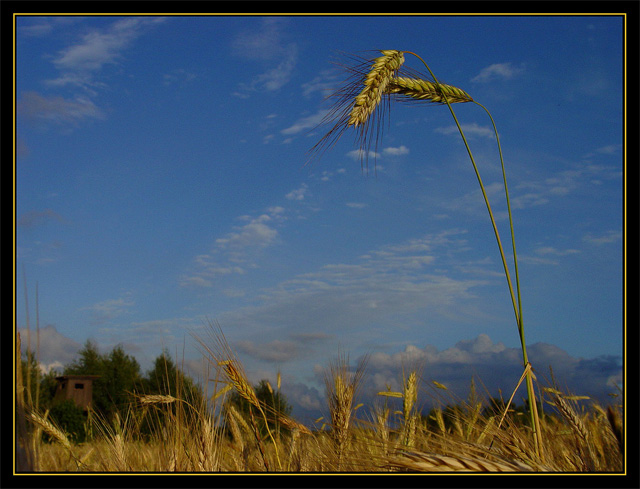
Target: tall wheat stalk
(342,386)
(382,79)
(24,453)
(409,400)
(223,357)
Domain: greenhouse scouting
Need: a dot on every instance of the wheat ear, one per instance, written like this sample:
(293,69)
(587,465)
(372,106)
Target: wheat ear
(409,399)
(50,429)
(375,86)
(341,390)
(569,414)
(340,401)
(240,382)
(432,462)
(419,89)
(156,399)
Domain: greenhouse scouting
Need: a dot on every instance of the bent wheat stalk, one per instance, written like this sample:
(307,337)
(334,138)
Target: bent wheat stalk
(380,81)
(517,303)
(433,462)
(50,429)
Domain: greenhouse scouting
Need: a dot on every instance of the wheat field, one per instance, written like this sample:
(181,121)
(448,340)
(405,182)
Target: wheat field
(214,437)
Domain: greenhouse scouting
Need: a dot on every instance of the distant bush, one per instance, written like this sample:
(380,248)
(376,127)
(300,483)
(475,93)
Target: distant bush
(68,416)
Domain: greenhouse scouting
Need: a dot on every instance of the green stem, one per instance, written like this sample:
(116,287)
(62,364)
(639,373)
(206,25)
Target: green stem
(517,303)
(530,394)
(484,194)
(513,240)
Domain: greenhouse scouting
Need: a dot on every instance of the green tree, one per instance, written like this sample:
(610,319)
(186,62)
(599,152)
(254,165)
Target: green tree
(90,361)
(166,379)
(162,377)
(39,387)
(120,378)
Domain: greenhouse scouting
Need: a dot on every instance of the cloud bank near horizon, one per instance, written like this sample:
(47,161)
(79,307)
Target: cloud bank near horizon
(494,368)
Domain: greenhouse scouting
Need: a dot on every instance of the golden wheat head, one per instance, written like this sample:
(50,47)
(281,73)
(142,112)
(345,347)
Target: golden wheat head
(419,89)
(376,81)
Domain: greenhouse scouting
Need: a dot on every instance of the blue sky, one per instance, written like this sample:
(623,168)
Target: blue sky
(160,184)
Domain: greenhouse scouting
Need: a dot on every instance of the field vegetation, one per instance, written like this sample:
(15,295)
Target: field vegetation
(177,426)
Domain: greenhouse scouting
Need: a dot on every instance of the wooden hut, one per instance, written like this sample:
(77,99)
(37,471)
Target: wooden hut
(79,388)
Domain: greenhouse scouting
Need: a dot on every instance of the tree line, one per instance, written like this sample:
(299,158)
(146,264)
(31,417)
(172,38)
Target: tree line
(120,381)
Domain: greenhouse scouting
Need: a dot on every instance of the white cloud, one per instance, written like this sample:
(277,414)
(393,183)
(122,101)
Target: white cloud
(104,311)
(233,253)
(37,218)
(359,154)
(550,250)
(498,71)
(608,237)
(561,184)
(610,149)
(402,150)
(56,109)
(195,281)
(473,202)
(256,233)
(399,280)
(177,76)
(324,83)
(264,42)
(77,65)
(98,47)
(275,351)
(494,365)
(469,129)
(232,292)
(298,194)
(267,44)
(55,349)
(36,30)
(305,123)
